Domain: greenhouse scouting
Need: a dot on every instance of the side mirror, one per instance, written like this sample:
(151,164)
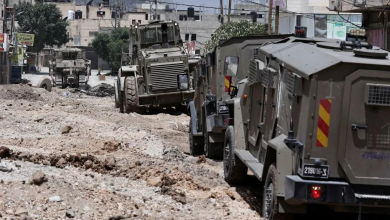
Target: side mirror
(233,90)
(231,66)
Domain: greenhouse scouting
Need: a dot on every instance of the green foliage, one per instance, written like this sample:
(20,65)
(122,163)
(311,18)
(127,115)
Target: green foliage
(233,29)
(44,21)
(109,46)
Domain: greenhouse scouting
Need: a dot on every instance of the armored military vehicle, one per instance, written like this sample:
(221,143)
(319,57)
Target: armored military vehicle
(157,74)
(207,113)
(70,68)
(310,122)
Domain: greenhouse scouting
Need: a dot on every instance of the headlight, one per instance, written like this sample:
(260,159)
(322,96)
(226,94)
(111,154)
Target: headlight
(183,82)
(223,109)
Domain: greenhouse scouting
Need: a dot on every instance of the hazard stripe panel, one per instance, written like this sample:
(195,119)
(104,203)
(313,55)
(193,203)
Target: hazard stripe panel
(323,123)
(227,80)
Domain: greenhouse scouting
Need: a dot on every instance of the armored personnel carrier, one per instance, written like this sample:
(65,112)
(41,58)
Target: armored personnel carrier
(207,112)
(70,68)
(310,122)
(157,73)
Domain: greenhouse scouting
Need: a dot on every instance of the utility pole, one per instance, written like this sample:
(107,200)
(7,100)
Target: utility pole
(117,17)
(230,8)
(153,10)
(221,2)
(277,18)
(270,17)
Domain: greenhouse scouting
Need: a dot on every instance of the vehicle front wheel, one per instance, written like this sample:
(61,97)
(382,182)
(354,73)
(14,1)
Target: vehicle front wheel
(131,101)
(270,199)
(196,147)
(116,93)
(212,150)
(234,169)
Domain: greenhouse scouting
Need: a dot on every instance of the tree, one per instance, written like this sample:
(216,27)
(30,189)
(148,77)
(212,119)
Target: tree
(109,46)
(44,21)
(233,29)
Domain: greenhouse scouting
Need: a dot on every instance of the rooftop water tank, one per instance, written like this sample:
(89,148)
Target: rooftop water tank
(78,14)
(70,15)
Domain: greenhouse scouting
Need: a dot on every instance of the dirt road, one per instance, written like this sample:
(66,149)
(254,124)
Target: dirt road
(99,164)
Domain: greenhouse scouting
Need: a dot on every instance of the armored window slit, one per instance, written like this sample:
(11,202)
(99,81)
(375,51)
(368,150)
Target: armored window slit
(377,94)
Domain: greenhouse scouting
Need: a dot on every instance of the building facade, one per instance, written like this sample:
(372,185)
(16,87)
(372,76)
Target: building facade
(375,18)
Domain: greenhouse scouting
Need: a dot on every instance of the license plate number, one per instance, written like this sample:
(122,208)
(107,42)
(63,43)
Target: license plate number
(315,171)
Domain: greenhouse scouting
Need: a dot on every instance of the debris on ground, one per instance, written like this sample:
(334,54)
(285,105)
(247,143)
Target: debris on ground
(38,178)
(201,159)
(101,90)
(4,152)
(172,153)
(85,160)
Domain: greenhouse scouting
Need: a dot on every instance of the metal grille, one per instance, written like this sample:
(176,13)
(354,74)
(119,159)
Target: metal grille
(253,69)
(378,94)
(164,75)
(293,84)
(269,78)
(256,53)
(290,82)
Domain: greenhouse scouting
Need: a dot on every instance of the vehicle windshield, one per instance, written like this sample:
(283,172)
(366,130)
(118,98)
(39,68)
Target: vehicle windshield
(153,35)
(69,56)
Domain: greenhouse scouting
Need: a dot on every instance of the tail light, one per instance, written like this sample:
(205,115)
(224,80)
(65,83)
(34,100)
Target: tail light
(316,192)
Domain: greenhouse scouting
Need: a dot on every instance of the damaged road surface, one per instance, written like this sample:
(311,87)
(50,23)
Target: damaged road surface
(76,157)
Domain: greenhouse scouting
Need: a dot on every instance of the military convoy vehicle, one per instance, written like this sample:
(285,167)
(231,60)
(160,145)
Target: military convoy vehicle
(70,68)
(310,122)
(206,130)
(158,73)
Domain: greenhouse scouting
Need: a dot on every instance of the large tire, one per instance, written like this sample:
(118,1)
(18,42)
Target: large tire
(131,102)
(59,80)
(212,150)
(234,169)
(122,107)
(116,92)
(270,199)
(82,84)
(46,84)
(196,145)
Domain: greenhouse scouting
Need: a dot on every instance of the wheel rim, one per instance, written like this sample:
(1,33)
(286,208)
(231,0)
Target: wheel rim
(269,200)
(227,162)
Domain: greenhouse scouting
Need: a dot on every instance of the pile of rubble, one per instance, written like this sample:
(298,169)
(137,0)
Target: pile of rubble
(101,90)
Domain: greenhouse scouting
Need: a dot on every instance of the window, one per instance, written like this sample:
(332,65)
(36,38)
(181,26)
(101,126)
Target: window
(133,21)
(139,21)
(93,33)
(149,35)
(170,34)
(146,17)
(231,66)
(299,19)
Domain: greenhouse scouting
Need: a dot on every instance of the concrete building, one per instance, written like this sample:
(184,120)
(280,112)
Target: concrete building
(319,20)
(85,22)
(375,18)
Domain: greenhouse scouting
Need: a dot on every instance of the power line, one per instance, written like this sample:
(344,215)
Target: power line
(306,15)
(210,7)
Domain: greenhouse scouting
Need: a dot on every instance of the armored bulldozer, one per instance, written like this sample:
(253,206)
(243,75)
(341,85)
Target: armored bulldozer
(158,72)
(70,68)
(206,127)
(310,122)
